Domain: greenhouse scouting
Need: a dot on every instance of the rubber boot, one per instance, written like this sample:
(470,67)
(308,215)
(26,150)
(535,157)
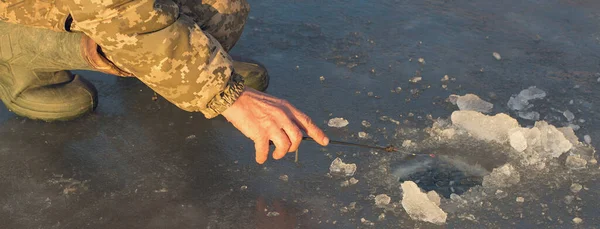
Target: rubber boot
(255,75)
(34,77)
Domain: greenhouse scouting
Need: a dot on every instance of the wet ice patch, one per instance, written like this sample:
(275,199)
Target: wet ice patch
(418,205)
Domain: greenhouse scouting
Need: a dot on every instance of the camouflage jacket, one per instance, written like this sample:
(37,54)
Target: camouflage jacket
(151,39)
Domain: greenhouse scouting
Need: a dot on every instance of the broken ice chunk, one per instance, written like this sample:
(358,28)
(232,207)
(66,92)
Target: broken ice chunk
(517,139)
(496,55)
(518,103)
(419,207)
(569,134)
(366,222)
(337,122)
(569,115)
(453,99)
(484,127)
(366,123)
(363,135)
(502,177)
(474,103)
(416,79)
(575,162)
(532,93)
(272,214)
(339,167)
(552,140)
(529,115)
(434,197)
(521,101)
(382,199)
(575,187)
(574,126)
(445,78)
(587,139)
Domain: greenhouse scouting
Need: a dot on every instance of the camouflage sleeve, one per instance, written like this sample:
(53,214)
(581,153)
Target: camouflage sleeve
(164,49)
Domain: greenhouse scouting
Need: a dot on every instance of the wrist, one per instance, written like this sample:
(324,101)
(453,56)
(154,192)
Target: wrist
(226,98)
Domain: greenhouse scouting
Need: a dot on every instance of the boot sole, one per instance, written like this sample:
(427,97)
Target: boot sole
(33,114)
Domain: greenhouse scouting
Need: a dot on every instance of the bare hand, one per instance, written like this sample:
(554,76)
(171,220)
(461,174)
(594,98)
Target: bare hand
(263,118)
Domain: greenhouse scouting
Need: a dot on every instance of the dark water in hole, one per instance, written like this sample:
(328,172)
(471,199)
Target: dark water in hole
(439,176)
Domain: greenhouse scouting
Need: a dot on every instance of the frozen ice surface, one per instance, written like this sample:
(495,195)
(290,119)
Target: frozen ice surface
(474,103)
(338,122)
(501,177)
(569,115)
(529,115)
(419,206)
(484,127)
(339,167)
(382,200)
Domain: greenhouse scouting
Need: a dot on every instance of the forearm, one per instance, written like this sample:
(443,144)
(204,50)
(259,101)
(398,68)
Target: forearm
(165,50)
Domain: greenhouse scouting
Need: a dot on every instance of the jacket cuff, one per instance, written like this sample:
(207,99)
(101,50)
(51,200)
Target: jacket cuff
(225,98)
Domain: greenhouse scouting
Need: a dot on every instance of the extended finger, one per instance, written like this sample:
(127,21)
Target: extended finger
(262,150)
(309,127)
(282,143)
